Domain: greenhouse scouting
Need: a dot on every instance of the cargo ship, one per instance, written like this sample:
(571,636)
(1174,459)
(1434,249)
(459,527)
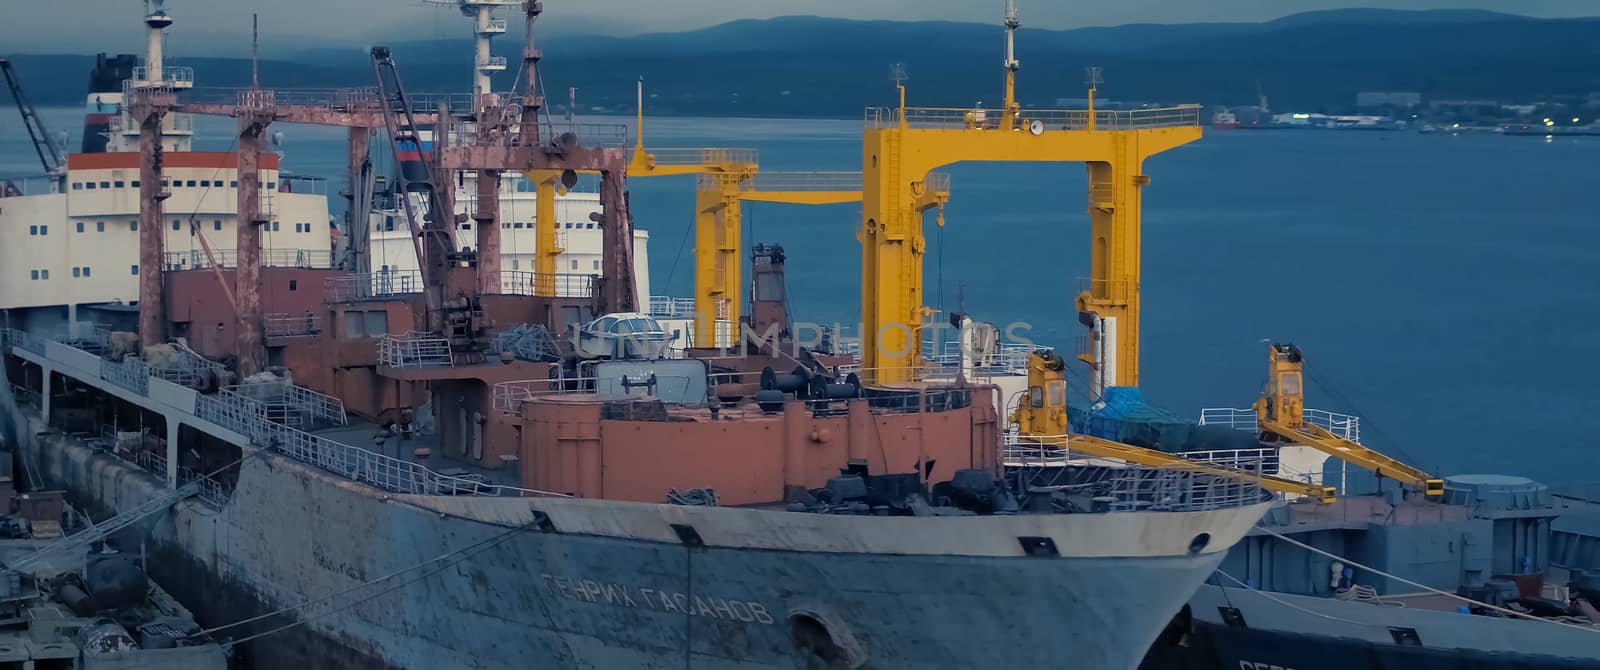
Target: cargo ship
(358,466)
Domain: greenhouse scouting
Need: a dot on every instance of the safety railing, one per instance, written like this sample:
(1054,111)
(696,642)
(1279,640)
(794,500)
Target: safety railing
(198,259)
(509,396)
(1008,358)
(14,187)
(596,135)
(705,156)
(522,282)
(24,340)
(801,181)
(371,286)
(130,373)
(291,325)
(492,63)
(281,398)
(1123,486)
(302,184)
(174,77)
(181,365)
(414,350)
(978,118)
(241,415)
(670,307)
(493,26)
(1343,425)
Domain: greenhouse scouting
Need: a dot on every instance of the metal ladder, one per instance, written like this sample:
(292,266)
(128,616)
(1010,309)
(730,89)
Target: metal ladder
(96,533)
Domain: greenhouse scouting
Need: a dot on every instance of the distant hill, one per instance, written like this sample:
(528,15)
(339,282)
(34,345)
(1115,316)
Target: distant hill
(804,65)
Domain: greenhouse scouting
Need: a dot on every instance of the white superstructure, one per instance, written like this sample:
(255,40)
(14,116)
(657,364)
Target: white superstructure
(82,246)
(578,234)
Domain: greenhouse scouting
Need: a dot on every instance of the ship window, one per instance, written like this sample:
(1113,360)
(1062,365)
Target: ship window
(133,226)
(589,226)
(85,270)
(518,224)
(1057,392)
(275,226)
(464,226)
(35,275)
(77,186)
(120,185)
(135,183)
(1035,396)
(507,226)
(133,270)
(33,230)
(294,284)
(206,183)
(44,274)
(176,225)
(99,226)
(216,224)
(44,230)
(377,322)
(574,264)
(105,184)
(233,184)
(516,264)
(191,183)
(597,265)
(89,185)
(80,226)
(354,325)
(271,185)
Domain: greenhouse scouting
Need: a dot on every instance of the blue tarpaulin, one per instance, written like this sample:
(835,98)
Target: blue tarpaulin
(1122,415)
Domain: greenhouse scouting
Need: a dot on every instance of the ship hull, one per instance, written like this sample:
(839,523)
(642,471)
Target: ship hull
(505,587)
(1303,633)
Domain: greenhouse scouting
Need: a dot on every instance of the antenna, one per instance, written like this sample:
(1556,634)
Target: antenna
(255,44)
(638,104)
(1012,64)
(897,72)
(1092,79)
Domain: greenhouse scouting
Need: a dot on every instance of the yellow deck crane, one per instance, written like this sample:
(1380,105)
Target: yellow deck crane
(901,146)
(1280,415)
(1041,419)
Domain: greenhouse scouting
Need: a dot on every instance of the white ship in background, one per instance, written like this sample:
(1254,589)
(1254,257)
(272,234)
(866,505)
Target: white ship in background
(69,238)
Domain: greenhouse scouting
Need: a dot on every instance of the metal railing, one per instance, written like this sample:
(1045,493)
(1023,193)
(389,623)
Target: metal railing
(509,396)
(248,418)
(371,285)
(12,187)
(174,77)
(978,118)
(183,366)
(670,307)
(1123,486)
(1344,425)
(705,156)
(494,26)
(522,282)
(291,325)
(493,63)
(414,350)
(1009,358)
(130,373)
(197,259)
(598,135)
(291,404)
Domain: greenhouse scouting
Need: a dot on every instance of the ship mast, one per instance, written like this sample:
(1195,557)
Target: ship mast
(1011,108)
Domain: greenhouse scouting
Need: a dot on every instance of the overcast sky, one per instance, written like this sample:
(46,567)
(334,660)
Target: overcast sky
(112,25)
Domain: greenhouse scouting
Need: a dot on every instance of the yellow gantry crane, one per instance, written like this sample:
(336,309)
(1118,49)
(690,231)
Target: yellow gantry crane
(902,145)
(1041,420)
(718,197)
(1280,415)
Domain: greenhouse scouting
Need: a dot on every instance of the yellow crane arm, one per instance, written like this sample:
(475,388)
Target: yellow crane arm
(1323,440)
(1160,459)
